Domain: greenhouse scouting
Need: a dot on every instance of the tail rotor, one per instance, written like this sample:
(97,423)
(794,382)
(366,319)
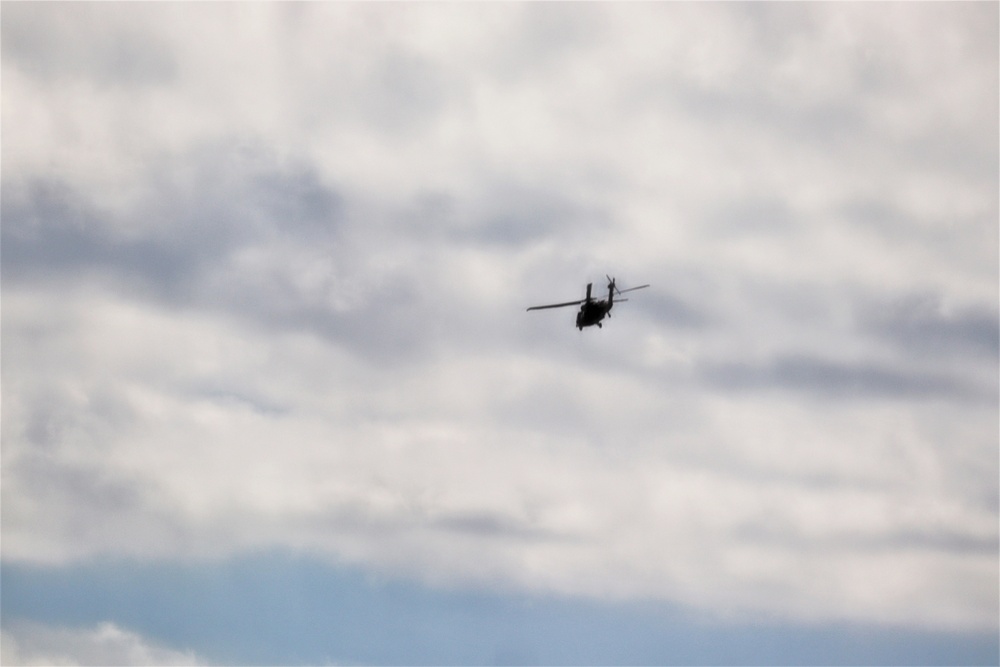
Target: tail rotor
(611,285)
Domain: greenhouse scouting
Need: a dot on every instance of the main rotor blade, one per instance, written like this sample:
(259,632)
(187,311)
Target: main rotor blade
(558,305)
(632,289)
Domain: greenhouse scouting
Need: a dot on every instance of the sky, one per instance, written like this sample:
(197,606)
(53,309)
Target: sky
(271,394)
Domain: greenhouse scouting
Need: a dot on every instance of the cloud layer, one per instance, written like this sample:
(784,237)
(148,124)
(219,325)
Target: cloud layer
(105,644)
(265,270)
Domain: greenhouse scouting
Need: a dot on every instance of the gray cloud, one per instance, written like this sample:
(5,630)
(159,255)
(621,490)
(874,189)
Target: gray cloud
(50,235)
(543,37)
(490,525)
(56,47)
(750,217)
(940,540)
(172,247)
(921,325)
(410,91)
(857,381)
(671,310)
(237,198)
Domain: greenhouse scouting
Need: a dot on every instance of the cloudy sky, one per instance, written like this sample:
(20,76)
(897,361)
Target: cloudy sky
(271,395)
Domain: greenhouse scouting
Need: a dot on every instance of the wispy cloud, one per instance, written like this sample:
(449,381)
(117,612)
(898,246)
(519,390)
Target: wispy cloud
(105,644)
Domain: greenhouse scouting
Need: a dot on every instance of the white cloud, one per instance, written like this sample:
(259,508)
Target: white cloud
(104,644)
(266,288)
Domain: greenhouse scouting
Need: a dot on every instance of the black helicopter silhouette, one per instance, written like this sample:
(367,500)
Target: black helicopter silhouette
(592,312)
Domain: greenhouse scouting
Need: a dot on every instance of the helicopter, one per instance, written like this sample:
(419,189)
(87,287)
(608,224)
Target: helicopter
(592,312)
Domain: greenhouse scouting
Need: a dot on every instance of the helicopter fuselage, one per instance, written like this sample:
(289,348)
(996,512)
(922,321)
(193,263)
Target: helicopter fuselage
(592,312)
